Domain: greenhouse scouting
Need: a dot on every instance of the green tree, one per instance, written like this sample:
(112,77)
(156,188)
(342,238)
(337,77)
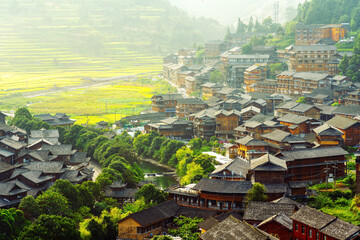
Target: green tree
(250,25)
(95,230)
(187,228)
(51,227)
(256,193)
(216,76)
(30,207)
(194,172)
(12,221)
(301,100)
(247,48)
(68,190)
(53,203)
(241,27)
(151,194)
(344,64)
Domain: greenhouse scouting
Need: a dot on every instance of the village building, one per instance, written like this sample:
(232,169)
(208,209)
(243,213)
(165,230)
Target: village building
(172,128)
(353,98)
(265,49)
(165,103)
(209,89)
(249,112)
(296,82)
(59,119)
(297,124)
(63,152)
(253,75)
(226,122)
(313,165)
(232,228)
(235,170)
(266,86)
(312,34)
(181,79)
(309,223)
(256,129)
(320,99)
(231,150)
(283,141)
(171,71)
(118,190)
(187,106)
(249,148)
(257,212)
(310,58)
(328,136)
(208,223)
(204,123)
(267,169)
(213,49)
(156,220)
(279,225)
(349,127)
(49,135)
(11,194)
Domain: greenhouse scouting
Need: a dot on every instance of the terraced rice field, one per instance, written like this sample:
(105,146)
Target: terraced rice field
(36,55)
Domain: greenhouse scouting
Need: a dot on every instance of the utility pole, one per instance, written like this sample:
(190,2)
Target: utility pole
(326,170)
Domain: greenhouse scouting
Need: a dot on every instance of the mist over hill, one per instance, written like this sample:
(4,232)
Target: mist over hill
(228,11)
(90,26)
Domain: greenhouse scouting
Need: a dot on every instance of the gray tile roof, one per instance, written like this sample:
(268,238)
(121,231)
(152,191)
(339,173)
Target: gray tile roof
(340,229)
(288,201)
(342,122)
(190,101)
(79,157)
(302,108)
(13,144)
(313,153)
(268,163)
(351,110)
(36,176)
(312,217)
(314,48)
(60,150)
(327,130)
(5,167)
(221,186)
(249,141)
(293,118)
(5,153)
(280,218)
(260,211)
(277,135)
(237,166)
(44,133)
(46,167)
(232,228)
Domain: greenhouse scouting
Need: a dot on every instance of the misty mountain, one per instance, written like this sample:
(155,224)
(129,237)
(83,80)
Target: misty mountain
(228,11)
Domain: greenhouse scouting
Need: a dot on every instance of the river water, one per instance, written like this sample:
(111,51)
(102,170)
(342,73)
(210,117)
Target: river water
(162,182)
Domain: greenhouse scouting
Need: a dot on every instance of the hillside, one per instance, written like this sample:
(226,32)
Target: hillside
(330,11)
(228,11)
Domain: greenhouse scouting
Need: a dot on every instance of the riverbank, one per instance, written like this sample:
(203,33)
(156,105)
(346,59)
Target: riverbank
(168,168)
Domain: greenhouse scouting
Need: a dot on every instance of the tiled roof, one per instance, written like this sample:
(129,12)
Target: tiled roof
(312,217)
(44,133)
(280,218)
(260,211)
(232,228)
(327,130)
(60,150)
(13,144)
(313,153)
(340,229)
(293,118)
(237,166)
(268,163)
(342,122)
(249,141)
(221,186)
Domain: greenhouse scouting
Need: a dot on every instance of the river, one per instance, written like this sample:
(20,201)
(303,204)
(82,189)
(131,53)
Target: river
(162,182)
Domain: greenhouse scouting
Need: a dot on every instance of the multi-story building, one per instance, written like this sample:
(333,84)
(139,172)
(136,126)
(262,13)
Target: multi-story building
(349,127)
(234,66)
(298,83)
(266,86)
(226,122)
(253,75)
(188,106)
(172,128)
(310,58)
(213,49)
(353,98)
(165,103)
(328,136)
(312,34)
(209,89)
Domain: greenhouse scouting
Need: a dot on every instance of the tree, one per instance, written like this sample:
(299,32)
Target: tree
(104,179)
(227,35)
(250,25)
(12,222)
(256,193)
(68,190)
(53,203)
(344,64)
(30,207)
(23,112)
(194,172)
(247,48)
(241,27)
(187,228)
(51,227)
(96,230)
(216,76)
(301,100)
(151,194)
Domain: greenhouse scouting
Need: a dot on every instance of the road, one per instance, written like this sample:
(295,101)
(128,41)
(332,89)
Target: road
(97,168)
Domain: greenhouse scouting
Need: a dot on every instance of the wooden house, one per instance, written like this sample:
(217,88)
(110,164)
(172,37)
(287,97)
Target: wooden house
(249,112)
(328,136)
(281,140)
(59,119)
(204,123)
(232,228)
(279,225)
(349,127)
(187,106)
(309,223)
(253,75)
(313,165)
(165,103)
(209,89)
(249,148)
(267,169)
(226,122)
(296,124)
(231,150)
(257,212)
(172,128)
(353,98)
(117,190)
(235,170)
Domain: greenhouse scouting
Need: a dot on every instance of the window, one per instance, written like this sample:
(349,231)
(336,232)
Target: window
(303,230)
(296,227)
(317,236)
(310,233)
(325,237)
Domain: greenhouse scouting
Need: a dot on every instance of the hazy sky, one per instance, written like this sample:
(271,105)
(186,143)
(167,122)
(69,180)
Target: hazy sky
(228,11)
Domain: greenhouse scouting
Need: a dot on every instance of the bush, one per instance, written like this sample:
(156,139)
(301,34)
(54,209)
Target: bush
(342,202)
(320,201)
